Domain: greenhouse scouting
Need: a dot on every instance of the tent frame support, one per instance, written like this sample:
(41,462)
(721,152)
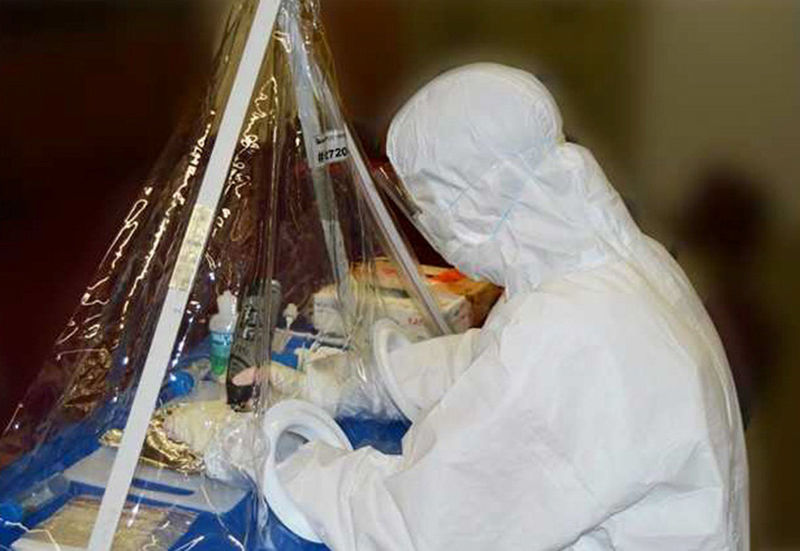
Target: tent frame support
(184,272)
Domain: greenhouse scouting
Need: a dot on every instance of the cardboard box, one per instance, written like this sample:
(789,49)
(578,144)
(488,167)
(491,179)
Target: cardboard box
(398,306)
(481,295)
(464,302)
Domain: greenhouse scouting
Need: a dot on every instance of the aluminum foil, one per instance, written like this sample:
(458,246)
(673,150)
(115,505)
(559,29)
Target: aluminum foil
(160,450)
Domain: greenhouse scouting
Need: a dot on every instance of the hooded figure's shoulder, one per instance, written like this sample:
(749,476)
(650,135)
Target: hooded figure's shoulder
(600,325)
(591,360)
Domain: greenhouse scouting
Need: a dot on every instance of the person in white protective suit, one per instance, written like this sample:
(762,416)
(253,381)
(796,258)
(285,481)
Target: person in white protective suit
(595,408)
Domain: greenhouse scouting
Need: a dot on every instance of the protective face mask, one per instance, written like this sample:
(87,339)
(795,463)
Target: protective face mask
(439,231)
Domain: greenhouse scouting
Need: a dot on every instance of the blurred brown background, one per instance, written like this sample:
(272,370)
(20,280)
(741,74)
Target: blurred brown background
(693,108)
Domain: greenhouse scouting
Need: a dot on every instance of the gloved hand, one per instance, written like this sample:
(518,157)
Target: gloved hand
(346,384)
(196,423)
(337,383)
(230,442)
(322,382)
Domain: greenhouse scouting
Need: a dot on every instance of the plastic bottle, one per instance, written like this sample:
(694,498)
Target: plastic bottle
(241,382)
(222,325)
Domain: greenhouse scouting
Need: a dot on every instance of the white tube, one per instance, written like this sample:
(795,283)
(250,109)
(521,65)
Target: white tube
(304,72)
(309,116)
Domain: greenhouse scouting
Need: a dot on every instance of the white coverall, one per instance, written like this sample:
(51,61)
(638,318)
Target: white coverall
(595,408)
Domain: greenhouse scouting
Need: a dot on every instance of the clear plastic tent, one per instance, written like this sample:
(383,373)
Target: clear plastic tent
(216,300)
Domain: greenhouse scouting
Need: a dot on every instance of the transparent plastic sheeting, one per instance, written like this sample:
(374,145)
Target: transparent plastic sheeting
(282,307)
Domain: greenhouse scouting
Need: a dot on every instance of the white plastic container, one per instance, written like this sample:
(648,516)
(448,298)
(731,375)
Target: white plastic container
(221,326)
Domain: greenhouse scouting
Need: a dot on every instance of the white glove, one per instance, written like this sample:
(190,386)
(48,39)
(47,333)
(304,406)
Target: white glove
(231,443)
(336,385)
(236,452)
(196,423)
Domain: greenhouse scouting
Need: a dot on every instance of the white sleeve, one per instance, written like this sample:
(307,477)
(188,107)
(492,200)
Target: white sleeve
(424,372)
(427,369)
(462,478)
(345,498)
(477,472)
(552,430)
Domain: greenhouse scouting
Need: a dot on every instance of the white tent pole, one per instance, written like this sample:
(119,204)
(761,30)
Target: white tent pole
(308,114)
(183,275)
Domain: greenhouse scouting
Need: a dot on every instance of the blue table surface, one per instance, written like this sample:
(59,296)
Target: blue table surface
(209,531)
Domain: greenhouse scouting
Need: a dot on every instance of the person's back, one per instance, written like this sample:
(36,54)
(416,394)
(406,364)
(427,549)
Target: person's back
(649,400)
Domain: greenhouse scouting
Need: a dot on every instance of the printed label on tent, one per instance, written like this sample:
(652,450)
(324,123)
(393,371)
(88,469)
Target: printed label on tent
(192,248)
(330,147)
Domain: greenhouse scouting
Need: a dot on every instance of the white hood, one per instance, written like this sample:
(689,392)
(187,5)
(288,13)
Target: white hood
(503,196)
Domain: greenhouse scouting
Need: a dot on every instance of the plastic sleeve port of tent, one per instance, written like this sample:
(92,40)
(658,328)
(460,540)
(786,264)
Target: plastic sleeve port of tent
(387,336)
(311,423)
